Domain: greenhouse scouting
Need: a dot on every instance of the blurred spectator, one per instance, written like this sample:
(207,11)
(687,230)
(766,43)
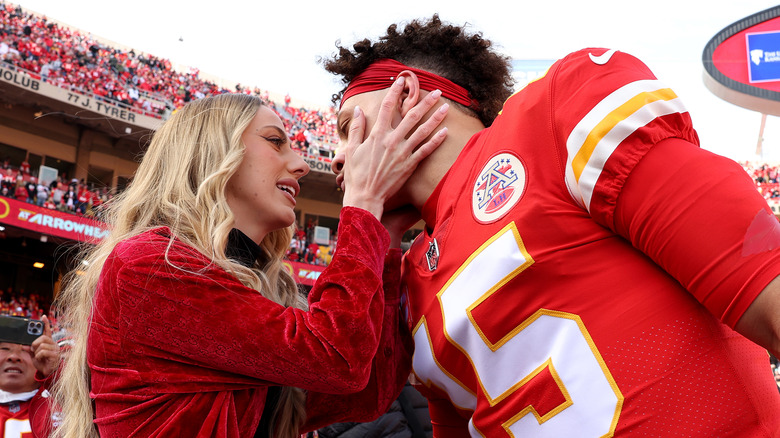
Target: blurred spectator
(57,194)
(69,199)
(311,253)
(41,194)
(310,229)
(32,192)
(294,253)
(21,191)
(83,198)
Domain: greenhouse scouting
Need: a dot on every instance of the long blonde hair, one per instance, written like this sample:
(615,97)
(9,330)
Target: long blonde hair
(180,183)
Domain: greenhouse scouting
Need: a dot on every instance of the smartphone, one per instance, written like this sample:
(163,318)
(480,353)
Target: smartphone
(19,330)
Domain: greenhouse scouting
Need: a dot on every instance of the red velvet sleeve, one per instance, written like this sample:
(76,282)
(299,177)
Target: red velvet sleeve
(196,328)
(700,217)
(389,372)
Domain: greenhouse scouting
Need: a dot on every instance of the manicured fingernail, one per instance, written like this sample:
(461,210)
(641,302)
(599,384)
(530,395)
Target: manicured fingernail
(444,108)
(442,131)
(399,80)
(356,112)
(436,93)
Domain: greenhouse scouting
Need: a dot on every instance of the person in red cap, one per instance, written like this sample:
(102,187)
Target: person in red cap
(585,269)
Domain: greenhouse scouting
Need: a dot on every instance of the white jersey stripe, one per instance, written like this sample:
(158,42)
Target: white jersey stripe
(602,132)
(424,363)
(610,142)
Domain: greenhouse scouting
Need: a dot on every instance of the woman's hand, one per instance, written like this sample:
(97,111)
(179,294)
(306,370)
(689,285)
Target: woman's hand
(375,167)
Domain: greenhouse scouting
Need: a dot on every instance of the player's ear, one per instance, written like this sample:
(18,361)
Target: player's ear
(411,94)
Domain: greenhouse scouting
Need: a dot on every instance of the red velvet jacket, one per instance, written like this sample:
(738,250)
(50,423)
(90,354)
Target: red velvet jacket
(188,351)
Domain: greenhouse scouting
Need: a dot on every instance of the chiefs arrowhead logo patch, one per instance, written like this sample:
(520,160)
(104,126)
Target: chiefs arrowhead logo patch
(499,185)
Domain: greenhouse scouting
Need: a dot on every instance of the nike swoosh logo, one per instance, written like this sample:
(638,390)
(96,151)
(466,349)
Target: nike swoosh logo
(603,58)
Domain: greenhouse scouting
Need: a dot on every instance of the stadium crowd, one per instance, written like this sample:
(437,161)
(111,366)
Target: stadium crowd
(22,304)
(150,85)
(82,199)
(142,82)
(74,196)
(20,182)
(766,177)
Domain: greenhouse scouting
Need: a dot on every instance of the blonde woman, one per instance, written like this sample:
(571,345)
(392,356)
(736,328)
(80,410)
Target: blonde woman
(186,322)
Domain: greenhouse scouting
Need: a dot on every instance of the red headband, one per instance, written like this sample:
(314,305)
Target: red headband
(382,73)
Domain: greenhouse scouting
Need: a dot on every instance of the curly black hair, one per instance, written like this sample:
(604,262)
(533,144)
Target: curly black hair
(444,49)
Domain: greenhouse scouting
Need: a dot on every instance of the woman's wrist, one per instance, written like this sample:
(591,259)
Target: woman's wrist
(371,205)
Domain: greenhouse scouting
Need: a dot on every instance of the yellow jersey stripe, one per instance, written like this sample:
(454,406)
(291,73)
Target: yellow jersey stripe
(612,119)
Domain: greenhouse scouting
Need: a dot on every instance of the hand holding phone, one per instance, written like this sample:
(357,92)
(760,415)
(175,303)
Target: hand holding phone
(45,352)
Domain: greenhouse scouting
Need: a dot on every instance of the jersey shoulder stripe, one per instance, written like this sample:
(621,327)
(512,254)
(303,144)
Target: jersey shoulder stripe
(607,125)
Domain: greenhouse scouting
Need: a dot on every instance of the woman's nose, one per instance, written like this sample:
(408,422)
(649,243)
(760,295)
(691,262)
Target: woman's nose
(300,166)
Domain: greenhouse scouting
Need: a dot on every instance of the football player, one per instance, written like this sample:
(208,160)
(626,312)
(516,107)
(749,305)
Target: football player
(586,269)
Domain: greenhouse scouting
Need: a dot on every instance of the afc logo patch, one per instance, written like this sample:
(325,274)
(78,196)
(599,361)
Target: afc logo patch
(499,185)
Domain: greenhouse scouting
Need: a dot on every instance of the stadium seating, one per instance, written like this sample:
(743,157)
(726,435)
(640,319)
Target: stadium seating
(137,81)
(149,85)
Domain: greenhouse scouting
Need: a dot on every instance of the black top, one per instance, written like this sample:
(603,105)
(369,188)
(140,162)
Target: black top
(246,252)
(242,249)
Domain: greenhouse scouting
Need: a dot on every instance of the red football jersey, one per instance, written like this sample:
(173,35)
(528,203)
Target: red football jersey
(15,420)
(16,424)
(533,317)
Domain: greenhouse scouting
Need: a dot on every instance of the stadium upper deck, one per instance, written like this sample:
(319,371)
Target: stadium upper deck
(75,106)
